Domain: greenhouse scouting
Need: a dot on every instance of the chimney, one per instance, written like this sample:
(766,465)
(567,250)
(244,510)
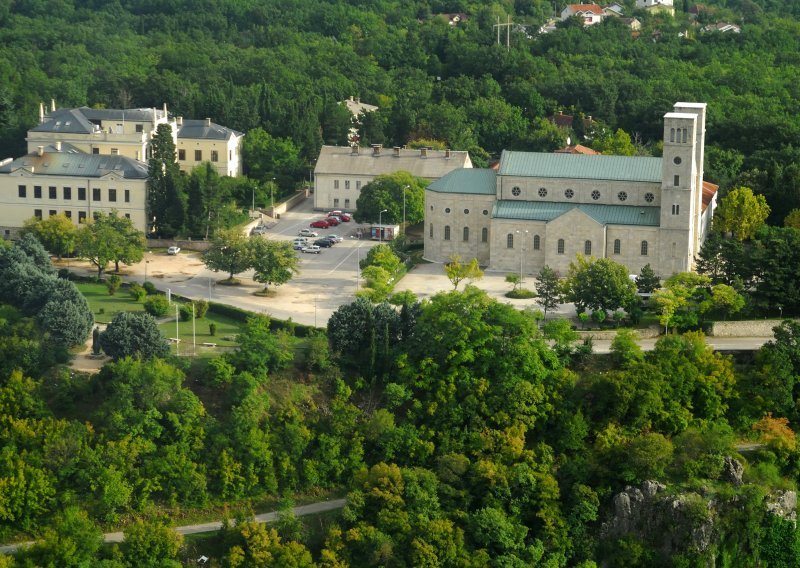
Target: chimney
(208,122)
(354,150)
(358,100)
(396,150)
(40,151)
(376,149)
(351,98)
(180,121)
(58,145)
(53,105)
(447,154)
(165,110)
(41,113)
(423,152)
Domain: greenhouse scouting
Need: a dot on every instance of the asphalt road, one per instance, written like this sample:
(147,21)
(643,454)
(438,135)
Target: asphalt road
(302,510)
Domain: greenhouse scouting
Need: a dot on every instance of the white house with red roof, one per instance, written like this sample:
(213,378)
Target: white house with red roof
(591,13)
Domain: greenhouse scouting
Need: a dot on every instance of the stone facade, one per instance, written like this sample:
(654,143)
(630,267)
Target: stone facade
(543,209)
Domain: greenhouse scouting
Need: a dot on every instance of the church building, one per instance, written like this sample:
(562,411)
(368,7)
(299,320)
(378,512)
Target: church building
(542,209)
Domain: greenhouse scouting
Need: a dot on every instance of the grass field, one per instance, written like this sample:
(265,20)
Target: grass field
(98,298)
(105,307)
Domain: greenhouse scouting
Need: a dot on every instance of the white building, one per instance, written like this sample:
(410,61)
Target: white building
(590,13)
(341,171)
(60,178)
(542,209)
(665,6)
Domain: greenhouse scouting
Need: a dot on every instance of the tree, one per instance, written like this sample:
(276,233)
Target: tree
(381,255)
(57,233)
(96,243)
(261,349)
(266,157)
(741,213)
(678,303)
(133,334)
(648,281)
(792,219)
(129,242)
(72,541)
(599,284)
(258,546)
(548,289)
(165,196)
(385,193)
(151,544)
(66,316)
(618,144)
(274,262)
(230,252)
(457,271)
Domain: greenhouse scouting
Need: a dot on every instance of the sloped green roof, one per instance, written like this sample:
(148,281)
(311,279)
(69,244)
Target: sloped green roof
(603,214)
(467,180)
(579,166)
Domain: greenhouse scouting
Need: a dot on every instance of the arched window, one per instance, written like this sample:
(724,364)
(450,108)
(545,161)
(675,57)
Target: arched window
(644,248)
(560,246)
(447,232)
(466,234)
(431,231)
(672,135)
(510,241)
(587,248)
(536,242)
(617,246)
(484,235)
(685,131)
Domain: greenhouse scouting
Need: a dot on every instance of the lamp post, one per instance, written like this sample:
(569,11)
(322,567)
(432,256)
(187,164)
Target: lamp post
(405,187)
(272,196)
(380,225)
(146,262)
(521,254)
(252,206)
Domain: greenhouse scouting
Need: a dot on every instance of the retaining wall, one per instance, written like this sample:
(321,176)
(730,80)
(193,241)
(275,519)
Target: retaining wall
(746,328)
(187,244)
(610,334)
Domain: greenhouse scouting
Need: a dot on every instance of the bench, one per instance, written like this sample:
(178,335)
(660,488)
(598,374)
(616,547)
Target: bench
(208,344)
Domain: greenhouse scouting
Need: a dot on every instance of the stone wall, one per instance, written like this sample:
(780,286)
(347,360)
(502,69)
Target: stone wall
(607,335)
(748,328)
(184,244)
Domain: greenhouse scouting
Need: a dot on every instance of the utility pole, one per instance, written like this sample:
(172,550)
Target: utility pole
(507,26)
(405,187)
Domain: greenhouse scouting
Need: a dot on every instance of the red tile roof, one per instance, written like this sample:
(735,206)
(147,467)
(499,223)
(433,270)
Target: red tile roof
(593,8)
(562,120)
(578,149)
(709,191)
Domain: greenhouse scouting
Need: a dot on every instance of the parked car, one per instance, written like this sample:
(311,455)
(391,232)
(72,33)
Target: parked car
(308,233)
(334,238)
(299,245)
(320,224)
(259,230)
(325,243)
(173,250)
(345,217)
(311,249)
(333,221)
(334,212)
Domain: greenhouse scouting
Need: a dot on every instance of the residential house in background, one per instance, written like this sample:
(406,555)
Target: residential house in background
(590,13)
(201,141)
(62,178)
(722,28)
(656,6)
(341,171)
(542,209)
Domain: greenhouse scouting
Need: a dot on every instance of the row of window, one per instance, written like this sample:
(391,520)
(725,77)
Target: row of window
(466,211)
(336,203)
(678,135)
(569,193)
(346,184)
(537,242)
(198,155)
(68,214)
(52,193)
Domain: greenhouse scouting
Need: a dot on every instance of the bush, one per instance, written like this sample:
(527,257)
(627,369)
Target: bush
(200,308)
(186,312)
(113,283)
(212,329)
(150,288)
(134,334)
(137,292)
(521,294)
(63,273)
(156,306)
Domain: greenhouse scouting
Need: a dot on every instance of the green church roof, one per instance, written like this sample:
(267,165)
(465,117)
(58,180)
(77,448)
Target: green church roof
(603,214)
(579,166)
(467,180)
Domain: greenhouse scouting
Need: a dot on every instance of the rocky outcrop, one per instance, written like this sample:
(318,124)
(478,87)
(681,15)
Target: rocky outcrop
(732,471)
(783,504)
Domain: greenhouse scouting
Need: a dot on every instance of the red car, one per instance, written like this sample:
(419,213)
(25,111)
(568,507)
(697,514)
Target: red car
(332,221)
(345,217)
(320,224)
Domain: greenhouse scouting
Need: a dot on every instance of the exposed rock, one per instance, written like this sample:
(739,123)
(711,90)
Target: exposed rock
(783,504)
(732,471)
(650,488)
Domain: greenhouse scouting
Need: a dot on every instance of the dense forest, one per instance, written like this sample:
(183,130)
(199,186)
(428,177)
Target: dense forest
(282,66)
(465,433)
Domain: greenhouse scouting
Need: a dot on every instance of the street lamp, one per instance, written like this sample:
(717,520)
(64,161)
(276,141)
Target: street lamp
(146,262)
(252,207)
(272,197)
(405,187)
(380,226)
(521,254)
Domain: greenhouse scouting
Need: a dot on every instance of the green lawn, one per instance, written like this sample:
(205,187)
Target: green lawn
(227,330)
(98,298)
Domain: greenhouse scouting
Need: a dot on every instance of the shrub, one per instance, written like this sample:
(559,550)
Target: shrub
(134,334)
(113,283)
(212,329)
(521,294)
(156,306)
(186,312)
(200,308)
(63,273)
(150,288)
(137,292)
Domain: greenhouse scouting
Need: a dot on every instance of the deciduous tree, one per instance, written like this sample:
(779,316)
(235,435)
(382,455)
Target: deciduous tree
(548,289)
(458,271)
(599,284)
(133,334)
(229,252)
(57,233)
(385,193)
(741,212)
(274,262)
